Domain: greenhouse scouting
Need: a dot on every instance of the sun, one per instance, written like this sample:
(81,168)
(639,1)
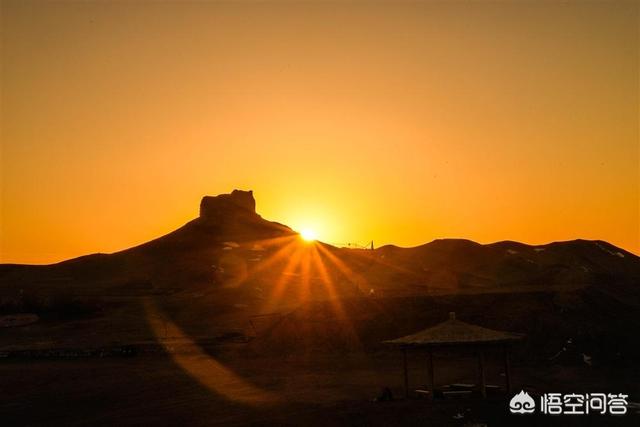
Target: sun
(308,234)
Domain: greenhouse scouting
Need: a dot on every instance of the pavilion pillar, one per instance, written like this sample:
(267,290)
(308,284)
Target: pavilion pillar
(507,373)
(406,373)
(430,374)
(483,383)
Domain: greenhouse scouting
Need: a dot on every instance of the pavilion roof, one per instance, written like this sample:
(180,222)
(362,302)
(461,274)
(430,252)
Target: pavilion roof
(453,332)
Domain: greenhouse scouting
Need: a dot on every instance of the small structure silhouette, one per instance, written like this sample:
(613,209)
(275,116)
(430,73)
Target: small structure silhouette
(455,333)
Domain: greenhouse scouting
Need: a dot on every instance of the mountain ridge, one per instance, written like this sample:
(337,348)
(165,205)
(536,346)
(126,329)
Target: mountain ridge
(228,209)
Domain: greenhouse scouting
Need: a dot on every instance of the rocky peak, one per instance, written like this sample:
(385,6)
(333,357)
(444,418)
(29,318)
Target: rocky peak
(215,207)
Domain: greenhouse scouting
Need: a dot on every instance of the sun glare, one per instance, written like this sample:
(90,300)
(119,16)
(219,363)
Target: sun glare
(308,234)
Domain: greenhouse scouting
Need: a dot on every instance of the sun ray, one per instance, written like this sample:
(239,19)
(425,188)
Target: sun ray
(286,275)
(305,274)
(362,280)
(322,271)
(357,279)
(279,255)
(335,301)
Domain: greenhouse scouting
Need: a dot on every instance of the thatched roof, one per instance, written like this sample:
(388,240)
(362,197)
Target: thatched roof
(453,332)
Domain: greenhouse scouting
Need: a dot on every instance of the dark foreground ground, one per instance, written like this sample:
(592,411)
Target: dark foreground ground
(235,388)
(307,371)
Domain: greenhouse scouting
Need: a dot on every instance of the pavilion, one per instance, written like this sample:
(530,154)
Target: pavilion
(455,333)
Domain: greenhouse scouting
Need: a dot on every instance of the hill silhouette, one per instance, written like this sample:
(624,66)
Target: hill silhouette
(439,266)
(219,271)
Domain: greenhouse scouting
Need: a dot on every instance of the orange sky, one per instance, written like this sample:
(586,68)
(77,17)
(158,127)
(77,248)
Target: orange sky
(394,122)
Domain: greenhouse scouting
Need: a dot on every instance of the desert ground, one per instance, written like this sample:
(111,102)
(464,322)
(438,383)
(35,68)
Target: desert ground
(321,390)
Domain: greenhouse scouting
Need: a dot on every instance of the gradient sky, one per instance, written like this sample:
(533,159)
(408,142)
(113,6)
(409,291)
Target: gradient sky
(397,122)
